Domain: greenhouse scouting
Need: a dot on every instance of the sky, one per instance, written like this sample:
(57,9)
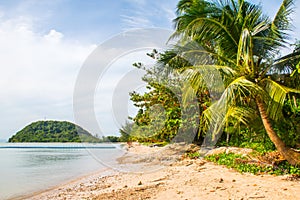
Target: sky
(45,43)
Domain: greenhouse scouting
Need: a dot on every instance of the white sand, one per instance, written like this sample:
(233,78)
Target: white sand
(180,179)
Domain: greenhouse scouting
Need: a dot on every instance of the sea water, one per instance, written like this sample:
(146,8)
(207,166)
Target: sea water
(32,167)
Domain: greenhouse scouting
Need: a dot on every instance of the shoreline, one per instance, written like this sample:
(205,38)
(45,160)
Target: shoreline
(73,181)
(95,167)
(178,179)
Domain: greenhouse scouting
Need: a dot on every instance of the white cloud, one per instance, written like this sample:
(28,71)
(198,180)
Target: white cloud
(137,2)
(145,14)
(54,36)
(38,73)
(107,78)
(169,13)
(136,21)
(112,101)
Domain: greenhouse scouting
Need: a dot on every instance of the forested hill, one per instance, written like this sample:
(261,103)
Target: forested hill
(53,131)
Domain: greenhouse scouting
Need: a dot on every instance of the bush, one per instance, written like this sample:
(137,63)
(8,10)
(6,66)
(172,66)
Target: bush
(241,164)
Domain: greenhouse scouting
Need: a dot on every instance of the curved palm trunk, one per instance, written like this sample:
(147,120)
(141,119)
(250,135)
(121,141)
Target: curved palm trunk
(289,154)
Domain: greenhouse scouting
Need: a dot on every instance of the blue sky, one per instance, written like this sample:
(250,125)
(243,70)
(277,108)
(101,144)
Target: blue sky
(91,20)
(43,44)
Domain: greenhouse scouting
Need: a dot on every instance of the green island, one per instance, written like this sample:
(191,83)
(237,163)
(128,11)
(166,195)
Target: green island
(57,131)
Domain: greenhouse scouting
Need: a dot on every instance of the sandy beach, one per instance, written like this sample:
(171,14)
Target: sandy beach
(166,175)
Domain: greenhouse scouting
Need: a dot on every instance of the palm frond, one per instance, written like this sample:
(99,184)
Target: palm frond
(281,24)
(244,55)
(277,94)
(281,21)
(239,113)
(192,54)
(187,11)
(287,62)
(200,77)
(227,106)
(261,27)
(199,27)
(183,5)
(237,90)
(214,118)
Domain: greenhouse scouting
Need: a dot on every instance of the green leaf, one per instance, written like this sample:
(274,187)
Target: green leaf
(277,93)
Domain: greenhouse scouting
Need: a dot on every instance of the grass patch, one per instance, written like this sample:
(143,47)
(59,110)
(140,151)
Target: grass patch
(155,144)
(192,155)
(242,165)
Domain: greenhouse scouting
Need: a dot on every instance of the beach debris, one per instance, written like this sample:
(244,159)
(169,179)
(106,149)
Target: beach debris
(188,164)
(257,197)
(199,169)
(272,158)
(160,179)
(294,177)
(179,192)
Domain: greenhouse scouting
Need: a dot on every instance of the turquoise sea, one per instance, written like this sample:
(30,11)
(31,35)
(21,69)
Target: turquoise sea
(33,167)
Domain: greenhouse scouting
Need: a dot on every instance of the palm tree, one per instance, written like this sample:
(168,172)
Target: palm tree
(243,44)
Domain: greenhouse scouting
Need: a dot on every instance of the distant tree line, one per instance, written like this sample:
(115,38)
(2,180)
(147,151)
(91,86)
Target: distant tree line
(57,131)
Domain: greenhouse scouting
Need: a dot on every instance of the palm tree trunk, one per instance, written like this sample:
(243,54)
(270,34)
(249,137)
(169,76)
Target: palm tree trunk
(289,154)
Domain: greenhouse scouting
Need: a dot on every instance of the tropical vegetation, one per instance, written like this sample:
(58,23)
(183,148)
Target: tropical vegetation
(243,164)
(227,58)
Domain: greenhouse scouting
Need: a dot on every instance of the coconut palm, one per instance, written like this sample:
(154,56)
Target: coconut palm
(243,44)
